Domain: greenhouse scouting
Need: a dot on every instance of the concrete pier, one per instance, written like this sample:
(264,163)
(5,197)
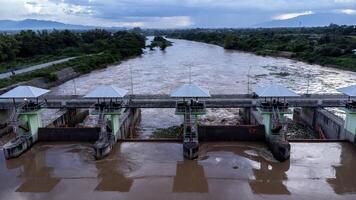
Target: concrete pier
(278,146)
(27,135)
(120,125)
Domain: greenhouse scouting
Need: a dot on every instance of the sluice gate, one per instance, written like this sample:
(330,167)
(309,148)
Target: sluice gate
(118,114)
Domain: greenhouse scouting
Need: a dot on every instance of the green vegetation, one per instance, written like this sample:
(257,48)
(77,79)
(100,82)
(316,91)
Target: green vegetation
(99,47)
(82,65)
(171,132)
(27,62)
(160,42)
(331,46)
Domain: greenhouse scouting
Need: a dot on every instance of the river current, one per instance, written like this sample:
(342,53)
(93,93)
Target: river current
(212,67)
(157,170)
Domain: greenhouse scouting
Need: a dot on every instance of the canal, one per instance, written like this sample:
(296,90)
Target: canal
(228,170)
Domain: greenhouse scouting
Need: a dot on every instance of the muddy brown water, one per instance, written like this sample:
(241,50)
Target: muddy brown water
(234,170)
(212,67)
(157,170)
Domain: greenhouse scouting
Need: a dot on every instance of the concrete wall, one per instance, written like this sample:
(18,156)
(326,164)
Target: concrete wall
(251,116)
(70,118)
(68,134)
(232,133)
(331,125)
(63,75)
(128,121)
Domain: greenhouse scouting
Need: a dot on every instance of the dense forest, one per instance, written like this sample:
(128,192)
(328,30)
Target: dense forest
(29,44)
(332,46)
(94,48)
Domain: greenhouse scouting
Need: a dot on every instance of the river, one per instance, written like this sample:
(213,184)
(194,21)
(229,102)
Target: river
(212,67)
(149,170)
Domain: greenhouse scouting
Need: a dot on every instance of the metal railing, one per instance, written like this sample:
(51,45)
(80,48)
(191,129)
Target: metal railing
(196,107)
(270,106)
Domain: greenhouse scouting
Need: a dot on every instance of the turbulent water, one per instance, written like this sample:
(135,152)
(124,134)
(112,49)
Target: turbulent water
(154,171)
(221,71)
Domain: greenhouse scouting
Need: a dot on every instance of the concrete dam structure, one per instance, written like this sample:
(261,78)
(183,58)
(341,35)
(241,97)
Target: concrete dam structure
(119,113)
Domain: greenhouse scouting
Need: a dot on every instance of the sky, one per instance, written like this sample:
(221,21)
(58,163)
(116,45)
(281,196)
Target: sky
(169,13)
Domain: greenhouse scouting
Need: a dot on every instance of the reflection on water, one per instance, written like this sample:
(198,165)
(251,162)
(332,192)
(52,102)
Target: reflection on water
(190,177)
(344,181)
(158,171)
(111,174)
(36,175)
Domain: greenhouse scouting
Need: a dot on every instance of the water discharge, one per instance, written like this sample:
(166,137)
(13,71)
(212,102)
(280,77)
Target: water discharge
(221,71)
(228,170)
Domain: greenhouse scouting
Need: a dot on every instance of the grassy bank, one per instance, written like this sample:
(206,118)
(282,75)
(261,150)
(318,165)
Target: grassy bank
(98,47)
(27,62)
(82,65)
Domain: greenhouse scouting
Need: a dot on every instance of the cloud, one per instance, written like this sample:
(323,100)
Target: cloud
(292,15)
(32,7)
(348,11)
(169,13)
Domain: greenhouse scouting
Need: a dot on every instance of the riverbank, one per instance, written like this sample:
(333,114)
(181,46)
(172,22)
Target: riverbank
(329,62)
(59,73)
(99,48)
(29,62)
(331,46)
(26,69)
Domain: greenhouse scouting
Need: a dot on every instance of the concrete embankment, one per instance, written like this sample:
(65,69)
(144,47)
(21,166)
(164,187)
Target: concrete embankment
(35,67)
(63,76)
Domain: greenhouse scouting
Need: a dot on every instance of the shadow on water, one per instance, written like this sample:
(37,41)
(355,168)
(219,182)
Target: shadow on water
(190,177)
(35,175)
(269,179)
(265,175)
(345,179)
(111,175)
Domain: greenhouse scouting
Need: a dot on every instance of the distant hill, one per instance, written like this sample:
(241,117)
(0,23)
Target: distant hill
(34,24)
(313,20)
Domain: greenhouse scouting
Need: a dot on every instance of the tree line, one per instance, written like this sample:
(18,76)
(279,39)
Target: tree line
(97,49)
(332,45)
(27,44)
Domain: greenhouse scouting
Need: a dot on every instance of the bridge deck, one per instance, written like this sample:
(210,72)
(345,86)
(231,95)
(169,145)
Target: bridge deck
(164,101)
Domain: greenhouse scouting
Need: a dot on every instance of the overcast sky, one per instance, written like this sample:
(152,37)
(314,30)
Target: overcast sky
(169,13)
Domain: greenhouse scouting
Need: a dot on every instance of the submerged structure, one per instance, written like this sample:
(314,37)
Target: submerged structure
(109,107)
(190,107)
(274,109)
(25,118)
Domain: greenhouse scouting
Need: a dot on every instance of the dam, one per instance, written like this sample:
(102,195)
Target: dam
(134,168)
